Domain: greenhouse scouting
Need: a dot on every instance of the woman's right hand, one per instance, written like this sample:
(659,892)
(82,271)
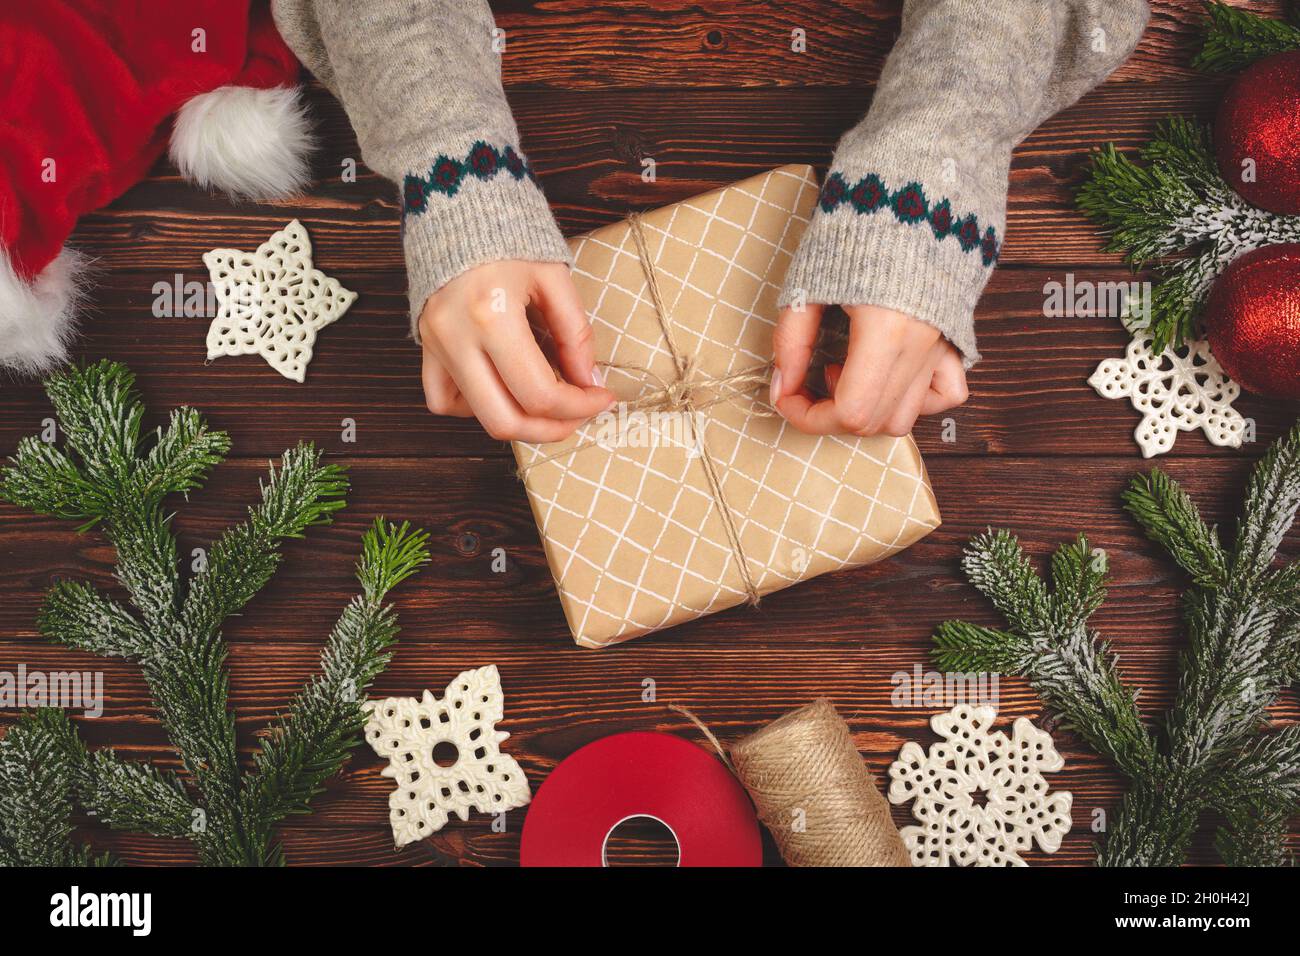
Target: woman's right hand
(482,359)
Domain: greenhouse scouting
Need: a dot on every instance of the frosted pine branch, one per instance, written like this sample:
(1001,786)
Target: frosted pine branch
(1178,202)
(300,493)
(79,616)
(110,474)
(323,723)
(38,774)
(1243,622)
(132,795)
(1236,38)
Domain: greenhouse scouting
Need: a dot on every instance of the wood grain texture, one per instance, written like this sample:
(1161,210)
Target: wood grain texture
(588,146)
(1029,395)
(588,44)
(734,694)
(709,89)
(475,506)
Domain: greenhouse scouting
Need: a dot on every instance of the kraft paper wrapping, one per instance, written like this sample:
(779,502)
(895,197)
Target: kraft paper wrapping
(633,531)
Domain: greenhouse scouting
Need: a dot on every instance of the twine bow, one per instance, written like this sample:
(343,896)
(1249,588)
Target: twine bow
(691,391)
(696,390)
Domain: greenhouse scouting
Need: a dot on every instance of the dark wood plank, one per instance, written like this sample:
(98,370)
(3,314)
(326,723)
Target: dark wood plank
(459,845)
(593,44)
(710,90)
(1029,395)
(732,690)
(588,146)
(472,507)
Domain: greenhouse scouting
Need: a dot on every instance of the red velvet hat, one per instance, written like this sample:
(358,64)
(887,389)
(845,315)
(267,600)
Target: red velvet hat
(93,91)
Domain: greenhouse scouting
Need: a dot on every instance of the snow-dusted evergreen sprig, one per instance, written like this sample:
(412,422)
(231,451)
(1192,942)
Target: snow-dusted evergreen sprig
(1236,38)
(1178,202)
(1242,616)
(111,475)
(39,761)
(1050,642)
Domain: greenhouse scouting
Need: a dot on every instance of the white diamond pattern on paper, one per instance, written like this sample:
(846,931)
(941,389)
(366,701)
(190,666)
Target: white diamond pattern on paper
(692,568)
(482,778)
(974,760)
(1180,390)
(272,302)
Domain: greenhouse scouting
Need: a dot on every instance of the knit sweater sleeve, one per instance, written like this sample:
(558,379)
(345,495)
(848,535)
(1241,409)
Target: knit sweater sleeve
(912,213)
(421,82)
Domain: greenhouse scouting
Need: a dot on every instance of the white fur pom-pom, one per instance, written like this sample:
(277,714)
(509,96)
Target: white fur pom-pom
(37,316)
(250,143)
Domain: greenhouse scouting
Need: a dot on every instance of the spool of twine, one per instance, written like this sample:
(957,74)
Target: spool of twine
(814,793)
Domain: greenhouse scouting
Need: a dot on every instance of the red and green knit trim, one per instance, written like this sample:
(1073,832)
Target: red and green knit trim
(910,205)
(483,161)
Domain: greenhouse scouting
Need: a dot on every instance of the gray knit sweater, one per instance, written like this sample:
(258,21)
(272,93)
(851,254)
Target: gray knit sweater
(912,213)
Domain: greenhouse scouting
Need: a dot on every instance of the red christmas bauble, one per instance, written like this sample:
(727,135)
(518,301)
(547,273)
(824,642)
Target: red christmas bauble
(1252,320)
(1257,135)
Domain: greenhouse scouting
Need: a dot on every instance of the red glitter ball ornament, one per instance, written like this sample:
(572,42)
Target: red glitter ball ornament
(1259,120)
(1252,320)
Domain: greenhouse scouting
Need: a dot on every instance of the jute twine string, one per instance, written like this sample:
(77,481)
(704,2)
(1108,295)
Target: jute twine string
(812,790)
(691,391)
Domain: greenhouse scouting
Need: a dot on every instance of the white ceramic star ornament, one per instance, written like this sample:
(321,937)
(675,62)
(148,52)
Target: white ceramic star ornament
(1179,390)
(272,302)
(979,795)
(477,776)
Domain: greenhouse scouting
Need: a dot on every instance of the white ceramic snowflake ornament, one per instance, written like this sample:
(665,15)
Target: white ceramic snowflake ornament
(479,777)
(272,302)
(1180,390)
(980,796)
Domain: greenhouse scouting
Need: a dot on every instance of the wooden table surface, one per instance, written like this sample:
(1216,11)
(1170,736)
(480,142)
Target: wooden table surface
(711,91)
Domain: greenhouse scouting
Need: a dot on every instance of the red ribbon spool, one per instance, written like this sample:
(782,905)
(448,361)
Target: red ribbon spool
(641,774)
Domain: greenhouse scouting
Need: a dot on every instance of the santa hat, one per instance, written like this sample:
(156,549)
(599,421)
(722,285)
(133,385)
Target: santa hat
(90,88)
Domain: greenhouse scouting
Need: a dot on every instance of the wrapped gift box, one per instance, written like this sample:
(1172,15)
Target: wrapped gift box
(693,496)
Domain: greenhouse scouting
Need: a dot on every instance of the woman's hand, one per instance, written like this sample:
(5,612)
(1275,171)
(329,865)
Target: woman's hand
(897,369)
(482,359)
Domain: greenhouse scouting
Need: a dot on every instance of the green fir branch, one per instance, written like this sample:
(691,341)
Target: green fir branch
(999,569)
(1080,680)
(1265,771)
(147,562)
(1078,585)
(189,685)
(43,479)
(1140,205)
(109,473)
(1175,201)
(389,555)
(1243,623)
(182,456)
(1177,302)
(963,648)
(1254,836)
(1182,153)
(1236,38)
(79,616)
(1224,679)
(1050,643)
(99,414)
(311,742)
(1281,587)
(301,493)
(39,759)
(1155,822)
(133,795)
(1171,519)
(1272,497)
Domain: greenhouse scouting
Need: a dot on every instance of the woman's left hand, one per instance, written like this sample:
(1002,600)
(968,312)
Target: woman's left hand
(897,369)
